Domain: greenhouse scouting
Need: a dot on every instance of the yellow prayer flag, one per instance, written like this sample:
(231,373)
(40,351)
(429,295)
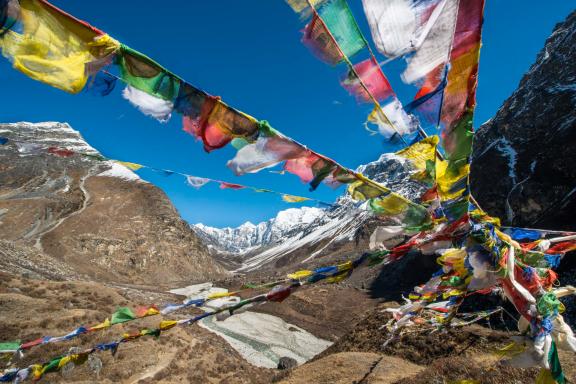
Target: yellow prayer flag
(294,199)
(151,312)
(104,324)
(421,152)
(545,377)
(75,358)
(167,324)
(132,166)
(338,278)
(51,47)
(345,266)
(217,295)
(390,205)
(299,275)
(451,179)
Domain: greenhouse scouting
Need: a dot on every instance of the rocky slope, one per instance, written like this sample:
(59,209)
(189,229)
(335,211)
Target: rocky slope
(307,234)
(530,142)
(87,217)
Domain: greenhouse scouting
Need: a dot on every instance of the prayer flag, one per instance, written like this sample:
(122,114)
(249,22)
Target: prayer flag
(224,185)
(141,72)
(396,25)
(435,49)
(392,120)
(10,346)
(266,152)
(197,182)
(370,74)
(294,199)
(122,315)
(156,107)
(131,166)
(341,25)
(50,47)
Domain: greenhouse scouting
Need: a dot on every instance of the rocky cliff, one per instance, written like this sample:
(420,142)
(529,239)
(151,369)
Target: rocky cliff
(529,144)
(86,217)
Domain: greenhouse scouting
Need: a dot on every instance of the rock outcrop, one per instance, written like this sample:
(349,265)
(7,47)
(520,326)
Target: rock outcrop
(529,144)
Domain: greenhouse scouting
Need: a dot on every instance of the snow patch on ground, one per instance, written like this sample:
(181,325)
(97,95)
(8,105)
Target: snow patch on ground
(198,291)
(263,339)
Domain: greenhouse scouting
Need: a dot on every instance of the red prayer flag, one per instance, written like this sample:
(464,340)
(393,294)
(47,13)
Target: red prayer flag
(370,73)
(224,185)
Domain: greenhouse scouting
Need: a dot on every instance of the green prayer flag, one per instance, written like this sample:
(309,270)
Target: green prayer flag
(555,367)
(10,345)
(143,73)
(122,315)
(340,22)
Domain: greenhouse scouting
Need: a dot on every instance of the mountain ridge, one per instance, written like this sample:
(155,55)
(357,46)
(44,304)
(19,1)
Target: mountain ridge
(97,217)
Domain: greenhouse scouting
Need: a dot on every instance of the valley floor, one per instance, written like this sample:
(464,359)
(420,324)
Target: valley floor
(340,313)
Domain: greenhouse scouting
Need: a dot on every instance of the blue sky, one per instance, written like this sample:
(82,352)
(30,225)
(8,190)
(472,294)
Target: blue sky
(249,53)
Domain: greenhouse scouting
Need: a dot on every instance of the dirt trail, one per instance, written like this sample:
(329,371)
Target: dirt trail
(86,199)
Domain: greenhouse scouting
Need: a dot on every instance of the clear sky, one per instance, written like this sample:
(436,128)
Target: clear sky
(249,52)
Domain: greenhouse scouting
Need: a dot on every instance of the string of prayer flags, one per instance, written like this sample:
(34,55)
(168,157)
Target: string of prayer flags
(330,34)
(158,92)
(278,293)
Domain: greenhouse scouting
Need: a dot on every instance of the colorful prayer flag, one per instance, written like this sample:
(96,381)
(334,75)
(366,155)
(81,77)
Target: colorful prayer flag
(370,74)
(294,199)
(224,185)
(122,315)
(131,166)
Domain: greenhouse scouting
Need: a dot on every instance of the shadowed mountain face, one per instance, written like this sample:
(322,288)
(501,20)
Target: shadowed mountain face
(86,217)
(523,164)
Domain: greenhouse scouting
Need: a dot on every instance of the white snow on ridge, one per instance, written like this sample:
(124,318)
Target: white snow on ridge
(121,172)
(334,230)
(48,133)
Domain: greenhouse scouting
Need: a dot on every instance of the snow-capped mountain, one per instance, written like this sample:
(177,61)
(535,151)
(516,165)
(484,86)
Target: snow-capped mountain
(248,236)
(303,234)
